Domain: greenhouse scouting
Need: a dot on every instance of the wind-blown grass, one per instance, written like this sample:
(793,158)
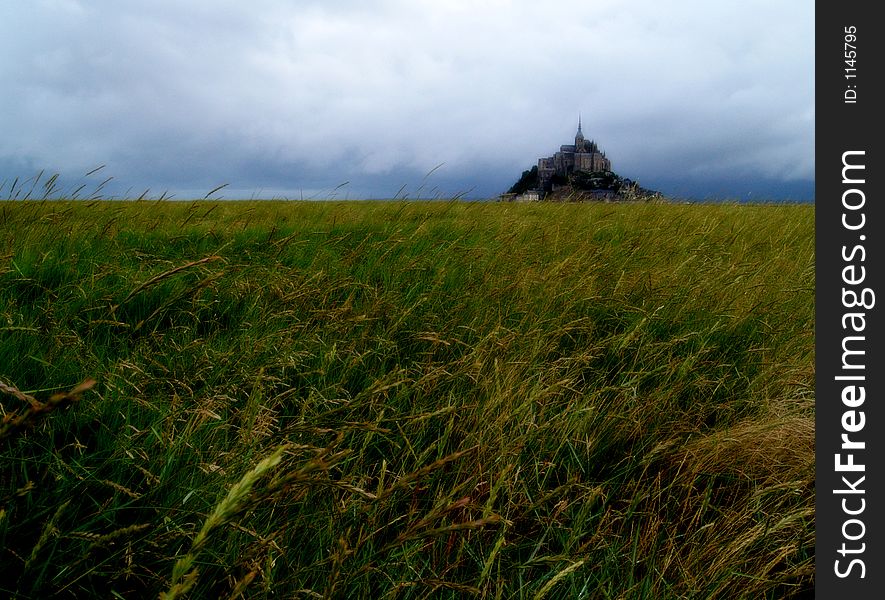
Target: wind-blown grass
(406,400)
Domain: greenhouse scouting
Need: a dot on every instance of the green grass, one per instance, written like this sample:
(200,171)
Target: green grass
(406,400)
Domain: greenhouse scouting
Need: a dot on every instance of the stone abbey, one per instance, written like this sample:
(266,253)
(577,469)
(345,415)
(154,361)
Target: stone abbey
(582,156)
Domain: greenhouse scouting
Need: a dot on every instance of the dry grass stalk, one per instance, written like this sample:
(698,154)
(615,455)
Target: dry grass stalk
(48,531)
(183,577)
(14,422)
(556,578)
(166,274)
(13,391)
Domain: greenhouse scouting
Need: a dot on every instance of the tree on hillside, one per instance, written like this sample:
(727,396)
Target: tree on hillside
(596,180)
(528,181)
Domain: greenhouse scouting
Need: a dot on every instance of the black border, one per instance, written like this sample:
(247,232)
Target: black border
(842,127)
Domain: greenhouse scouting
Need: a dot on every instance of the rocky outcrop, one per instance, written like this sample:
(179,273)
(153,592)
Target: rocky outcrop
(581,186)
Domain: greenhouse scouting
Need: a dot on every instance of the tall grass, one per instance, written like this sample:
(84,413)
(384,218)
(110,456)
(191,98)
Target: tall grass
(406,400)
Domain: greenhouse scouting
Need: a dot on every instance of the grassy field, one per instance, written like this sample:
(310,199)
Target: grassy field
(406,400)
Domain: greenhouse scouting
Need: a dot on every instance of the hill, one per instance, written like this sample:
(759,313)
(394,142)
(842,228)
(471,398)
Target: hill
(583,185)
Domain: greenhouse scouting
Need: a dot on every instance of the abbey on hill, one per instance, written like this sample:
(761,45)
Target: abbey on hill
(582,156)
(578,172)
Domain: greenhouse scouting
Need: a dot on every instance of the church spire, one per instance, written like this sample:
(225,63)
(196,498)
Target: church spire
(579,137)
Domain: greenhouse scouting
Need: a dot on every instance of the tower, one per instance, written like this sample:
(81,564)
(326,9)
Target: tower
(579,138)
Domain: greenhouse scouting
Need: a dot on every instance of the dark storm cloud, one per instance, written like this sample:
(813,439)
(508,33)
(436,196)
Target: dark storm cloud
(267,96)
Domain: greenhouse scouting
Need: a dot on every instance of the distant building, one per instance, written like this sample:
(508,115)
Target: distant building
(582,156)
(528,196)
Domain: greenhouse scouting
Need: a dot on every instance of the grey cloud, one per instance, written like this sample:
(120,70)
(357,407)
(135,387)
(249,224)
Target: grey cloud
(185,94)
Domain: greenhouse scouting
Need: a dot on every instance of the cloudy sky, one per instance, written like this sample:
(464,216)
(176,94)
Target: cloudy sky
(426,98)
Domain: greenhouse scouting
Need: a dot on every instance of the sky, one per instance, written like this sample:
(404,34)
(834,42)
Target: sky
(405,98)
